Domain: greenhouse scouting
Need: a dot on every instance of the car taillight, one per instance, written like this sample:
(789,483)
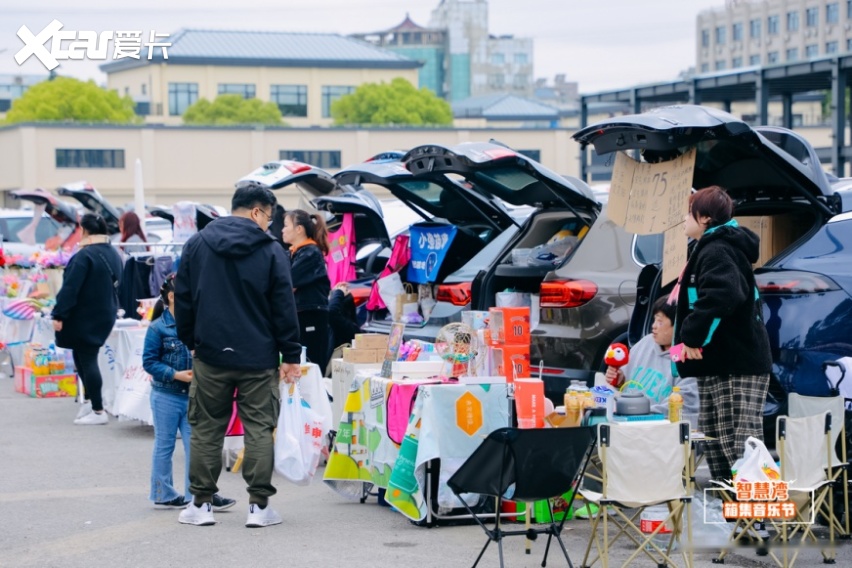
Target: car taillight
(567,293)
(794,282)
(455,294)
(296,167)
(360,295)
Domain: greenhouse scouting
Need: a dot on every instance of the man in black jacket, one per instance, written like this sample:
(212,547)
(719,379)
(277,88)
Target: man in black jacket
(234,308)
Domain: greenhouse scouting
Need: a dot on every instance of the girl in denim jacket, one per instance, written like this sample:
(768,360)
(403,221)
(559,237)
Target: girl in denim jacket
(169,363)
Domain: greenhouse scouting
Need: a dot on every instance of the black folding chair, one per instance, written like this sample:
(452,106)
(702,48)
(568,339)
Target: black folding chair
(537,463)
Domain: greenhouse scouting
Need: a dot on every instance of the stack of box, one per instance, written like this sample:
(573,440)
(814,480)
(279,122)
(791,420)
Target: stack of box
(508,335)
(366,348)
(366,354)
(45,386)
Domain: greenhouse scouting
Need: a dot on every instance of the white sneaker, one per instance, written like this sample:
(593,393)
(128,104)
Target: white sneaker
(85,408)
(258,517)
(93,419)
(199,516)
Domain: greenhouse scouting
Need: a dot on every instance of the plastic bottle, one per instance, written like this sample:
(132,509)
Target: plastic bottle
(675,405)
(55,364)
(649,520)
(573,409)
(69,361)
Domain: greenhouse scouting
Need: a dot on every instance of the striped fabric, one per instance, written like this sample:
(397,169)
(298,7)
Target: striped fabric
(731,411)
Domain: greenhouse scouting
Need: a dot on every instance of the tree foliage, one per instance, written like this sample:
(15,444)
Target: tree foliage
(66,98)
(232,110)
(397,103)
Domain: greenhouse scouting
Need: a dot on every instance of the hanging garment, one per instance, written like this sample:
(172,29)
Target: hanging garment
(162,267)
(400,255)
(134,285)
(340,259)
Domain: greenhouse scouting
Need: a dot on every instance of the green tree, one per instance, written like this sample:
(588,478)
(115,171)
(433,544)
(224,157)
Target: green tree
(65,98)
(397,103)
(231,110)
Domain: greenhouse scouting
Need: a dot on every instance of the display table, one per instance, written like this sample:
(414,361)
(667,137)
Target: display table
(126,389)
(448,422)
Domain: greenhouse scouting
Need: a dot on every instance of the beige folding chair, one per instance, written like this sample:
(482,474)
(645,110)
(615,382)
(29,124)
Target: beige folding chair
(838,472)
(805,451)
(642,465)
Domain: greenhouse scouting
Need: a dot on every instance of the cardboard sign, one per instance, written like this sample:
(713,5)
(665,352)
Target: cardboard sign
(674,253)
(647,199)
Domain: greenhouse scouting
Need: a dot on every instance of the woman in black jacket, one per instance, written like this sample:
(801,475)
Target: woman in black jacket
(720,323)
(86,308)
(307,236)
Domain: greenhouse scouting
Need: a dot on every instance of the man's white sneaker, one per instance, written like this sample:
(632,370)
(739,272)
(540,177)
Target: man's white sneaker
(93,419)
(85,408)
(199,516)
(258,517)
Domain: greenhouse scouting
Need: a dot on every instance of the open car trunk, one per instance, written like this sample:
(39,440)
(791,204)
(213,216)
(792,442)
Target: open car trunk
(93,201)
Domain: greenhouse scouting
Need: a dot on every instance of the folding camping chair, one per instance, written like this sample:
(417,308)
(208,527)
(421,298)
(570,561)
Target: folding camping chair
(524,465)
(643,465)
(804,448)
(800,406)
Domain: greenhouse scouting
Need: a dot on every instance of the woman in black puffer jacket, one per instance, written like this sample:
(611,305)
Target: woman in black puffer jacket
(307,236)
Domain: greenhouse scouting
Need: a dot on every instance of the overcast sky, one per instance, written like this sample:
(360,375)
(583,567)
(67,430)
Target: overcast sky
(602,44)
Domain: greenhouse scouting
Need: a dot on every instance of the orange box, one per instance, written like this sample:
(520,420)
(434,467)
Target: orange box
(511,361)
(510,325)
(51,386)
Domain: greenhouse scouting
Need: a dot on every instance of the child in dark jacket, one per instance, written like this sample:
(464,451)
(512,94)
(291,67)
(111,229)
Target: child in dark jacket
(169,363)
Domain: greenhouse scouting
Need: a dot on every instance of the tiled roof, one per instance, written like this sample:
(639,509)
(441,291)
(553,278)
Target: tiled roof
(504,107)
(269,49)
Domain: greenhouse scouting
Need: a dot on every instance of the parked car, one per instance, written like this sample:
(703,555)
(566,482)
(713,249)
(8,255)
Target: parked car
(57,228)
(806,283)
(93,201)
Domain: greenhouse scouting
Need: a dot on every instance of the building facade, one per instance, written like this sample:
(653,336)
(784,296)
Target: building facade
(302,73)
(747,33)
(461,59)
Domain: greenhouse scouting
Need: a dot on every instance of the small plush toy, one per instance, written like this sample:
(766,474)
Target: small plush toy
(617,355)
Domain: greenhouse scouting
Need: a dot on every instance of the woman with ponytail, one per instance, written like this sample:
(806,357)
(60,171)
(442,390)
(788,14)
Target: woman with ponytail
(307,236)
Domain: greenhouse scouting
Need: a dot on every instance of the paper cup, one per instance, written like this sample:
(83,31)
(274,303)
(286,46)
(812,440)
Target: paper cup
(529,403)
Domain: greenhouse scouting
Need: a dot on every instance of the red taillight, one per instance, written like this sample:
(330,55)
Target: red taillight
(455,294)
(359,295)
(567,293)
(794,282)
(296,167)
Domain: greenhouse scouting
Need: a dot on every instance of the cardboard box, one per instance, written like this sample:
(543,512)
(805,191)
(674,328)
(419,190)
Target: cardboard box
(351,355)
(510,326)
(45,386)
(511,361)
(776,232)
(22,380)
(342,375)
(370,341)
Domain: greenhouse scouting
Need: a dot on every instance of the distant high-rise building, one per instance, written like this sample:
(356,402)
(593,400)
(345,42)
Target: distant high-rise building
(746,33)
(460,58)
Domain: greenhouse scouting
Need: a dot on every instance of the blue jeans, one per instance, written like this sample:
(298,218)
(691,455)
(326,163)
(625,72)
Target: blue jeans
(169,412)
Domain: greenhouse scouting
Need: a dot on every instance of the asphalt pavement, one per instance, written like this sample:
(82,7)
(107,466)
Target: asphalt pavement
(76,496)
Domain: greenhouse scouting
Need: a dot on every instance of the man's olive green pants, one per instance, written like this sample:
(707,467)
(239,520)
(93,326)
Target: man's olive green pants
(211,400)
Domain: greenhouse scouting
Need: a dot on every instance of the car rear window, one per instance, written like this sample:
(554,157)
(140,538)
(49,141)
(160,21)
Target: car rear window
(648,249)
(425,190)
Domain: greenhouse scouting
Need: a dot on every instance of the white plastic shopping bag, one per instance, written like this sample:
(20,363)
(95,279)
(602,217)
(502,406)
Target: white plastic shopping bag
(299,439)
(756,464)
(390,287)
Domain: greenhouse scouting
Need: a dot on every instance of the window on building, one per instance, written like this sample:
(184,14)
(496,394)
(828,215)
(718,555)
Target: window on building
(705,38)
(521,81)
(832,13)
(812,17)
(531,154)
(496,80)
(811,51)
(721,35)
(793,54)
(245,90)
(849,9)
(772,25)
(736,62)
(181,97)
(792,21)
(831,47)
(326,159)
(720,65)
(331,94)
(498,59)
(754,60)
(754,28)
(144,89)
(705,67)
(292,100)
(89,158)
(849,45)
(772,57)
(737,32)
(521,59)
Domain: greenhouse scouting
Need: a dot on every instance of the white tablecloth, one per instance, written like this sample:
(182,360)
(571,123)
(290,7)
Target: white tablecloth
(126,388)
